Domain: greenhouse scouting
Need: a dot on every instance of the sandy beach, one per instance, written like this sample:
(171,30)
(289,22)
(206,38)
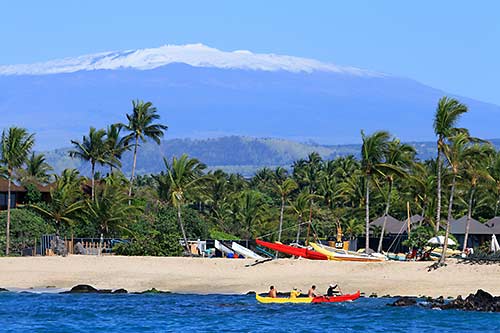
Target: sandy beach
(196,275)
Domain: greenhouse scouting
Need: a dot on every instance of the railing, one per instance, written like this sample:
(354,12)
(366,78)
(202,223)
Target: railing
(83,246)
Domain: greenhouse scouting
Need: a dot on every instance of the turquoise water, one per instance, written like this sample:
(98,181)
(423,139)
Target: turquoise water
(23,312)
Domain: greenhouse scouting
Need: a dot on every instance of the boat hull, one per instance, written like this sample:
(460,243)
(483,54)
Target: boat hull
(293,251)
(300,300)
(338,256)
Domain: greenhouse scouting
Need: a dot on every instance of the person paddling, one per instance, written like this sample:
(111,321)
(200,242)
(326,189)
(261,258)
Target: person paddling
(333,290)
(295,293)
(272,292)
(312,292)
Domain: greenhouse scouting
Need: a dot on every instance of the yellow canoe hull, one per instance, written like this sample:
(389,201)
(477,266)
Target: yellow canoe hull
(267,300)
(338,257)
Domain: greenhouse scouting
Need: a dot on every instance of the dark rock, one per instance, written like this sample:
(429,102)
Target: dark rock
(439,300)
(154,291)
(480,301)
(104,291)
(404,301)
(3,290)
(373,295)
(251,292)
(81,289)
(120,291)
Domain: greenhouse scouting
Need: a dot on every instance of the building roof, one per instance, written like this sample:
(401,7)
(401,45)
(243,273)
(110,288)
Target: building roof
(392,225)
(4,186)
(417,218)
(457,227)
(494,224)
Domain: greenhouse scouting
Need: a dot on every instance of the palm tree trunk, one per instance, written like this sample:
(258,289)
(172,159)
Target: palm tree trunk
(93,180)
(387,205)
(424,206)
(496,205)
(133,167)
(469,216)
(281,217)
(438,204)
(310,221)
(448,220)
(181,225)
(367,217)
(298,228)
(7,242)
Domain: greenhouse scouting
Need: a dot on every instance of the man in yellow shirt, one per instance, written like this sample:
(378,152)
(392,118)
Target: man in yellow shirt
(295,293)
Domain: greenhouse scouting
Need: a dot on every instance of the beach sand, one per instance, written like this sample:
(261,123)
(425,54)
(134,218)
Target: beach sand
(231,276)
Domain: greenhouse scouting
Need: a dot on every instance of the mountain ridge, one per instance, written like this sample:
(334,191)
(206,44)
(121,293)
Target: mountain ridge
(329,107)
(243,155)
(196,55)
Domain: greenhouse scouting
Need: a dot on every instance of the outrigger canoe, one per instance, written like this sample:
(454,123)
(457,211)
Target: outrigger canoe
(319,299)
(293,251)
(343,255)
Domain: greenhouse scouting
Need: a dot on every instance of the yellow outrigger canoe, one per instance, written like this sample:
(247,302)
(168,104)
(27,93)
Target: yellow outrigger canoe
(343,255)
(318,299)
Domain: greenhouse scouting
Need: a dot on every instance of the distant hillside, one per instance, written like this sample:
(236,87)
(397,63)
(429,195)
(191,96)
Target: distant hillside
(233,154)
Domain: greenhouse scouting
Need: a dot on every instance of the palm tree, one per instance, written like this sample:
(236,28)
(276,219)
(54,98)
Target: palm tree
(36,170)
(15,146)
(250,209)
(373,151)
(110,209)
(447,115)
(307,174)
(301,206)
(475,162)
(284,188)
(141,127)
(116,144)
(494,172)
(186,178)
(454,153)
(93,148)
(66,200)
(399,157)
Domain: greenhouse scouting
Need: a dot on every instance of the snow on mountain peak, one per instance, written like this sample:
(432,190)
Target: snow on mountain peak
(197,55)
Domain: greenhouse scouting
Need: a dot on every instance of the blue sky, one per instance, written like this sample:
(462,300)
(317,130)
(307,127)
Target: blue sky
(451,45)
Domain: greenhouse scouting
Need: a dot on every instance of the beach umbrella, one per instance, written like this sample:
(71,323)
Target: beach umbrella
(439,240)
(494,244)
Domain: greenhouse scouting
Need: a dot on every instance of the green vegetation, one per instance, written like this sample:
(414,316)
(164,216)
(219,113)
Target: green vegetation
(311,197)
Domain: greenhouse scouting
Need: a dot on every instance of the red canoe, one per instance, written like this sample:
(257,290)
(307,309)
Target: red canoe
(293,251)
(333,299)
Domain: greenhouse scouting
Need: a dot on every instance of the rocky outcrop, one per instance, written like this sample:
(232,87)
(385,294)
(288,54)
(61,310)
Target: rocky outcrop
(120,291)
(3,290)
(154,291)
(480,301)
(87,289)
(404,301)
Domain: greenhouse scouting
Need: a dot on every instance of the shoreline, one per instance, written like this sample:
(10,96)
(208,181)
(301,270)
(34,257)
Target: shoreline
(231,276)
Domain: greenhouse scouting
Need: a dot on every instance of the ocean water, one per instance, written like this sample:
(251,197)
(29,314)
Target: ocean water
(28,312)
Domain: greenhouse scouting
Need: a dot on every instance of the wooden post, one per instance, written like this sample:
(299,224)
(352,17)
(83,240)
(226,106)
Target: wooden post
(409,219)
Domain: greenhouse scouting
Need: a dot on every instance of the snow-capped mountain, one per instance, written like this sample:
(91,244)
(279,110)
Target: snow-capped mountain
(196,55)
(202,92)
